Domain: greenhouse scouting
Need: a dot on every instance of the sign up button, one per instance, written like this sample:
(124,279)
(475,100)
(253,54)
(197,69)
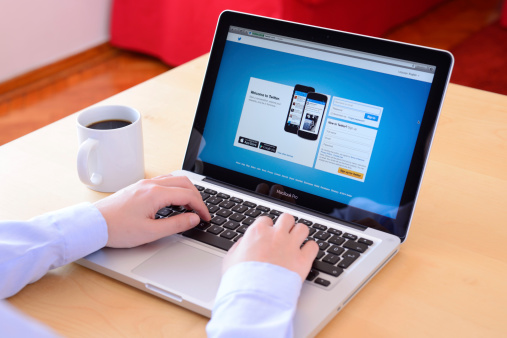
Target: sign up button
(371,117)
(350,173)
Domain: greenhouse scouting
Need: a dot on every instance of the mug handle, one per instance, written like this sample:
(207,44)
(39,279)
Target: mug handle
(83,158)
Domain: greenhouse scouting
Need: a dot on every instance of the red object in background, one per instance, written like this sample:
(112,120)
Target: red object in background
(503,19)
(480,62)
(177,31)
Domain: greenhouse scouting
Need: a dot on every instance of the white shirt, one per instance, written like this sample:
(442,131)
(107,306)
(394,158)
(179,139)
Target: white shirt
(254,299)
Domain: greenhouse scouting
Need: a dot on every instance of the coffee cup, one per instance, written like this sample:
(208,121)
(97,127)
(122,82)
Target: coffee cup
(110,155)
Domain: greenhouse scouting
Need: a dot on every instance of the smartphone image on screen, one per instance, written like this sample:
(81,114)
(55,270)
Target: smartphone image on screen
(313,114)
(296,108)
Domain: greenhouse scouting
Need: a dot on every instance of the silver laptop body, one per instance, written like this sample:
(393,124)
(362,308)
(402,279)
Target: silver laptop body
(175,267)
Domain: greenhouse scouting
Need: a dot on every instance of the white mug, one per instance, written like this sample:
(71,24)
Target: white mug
(110,159)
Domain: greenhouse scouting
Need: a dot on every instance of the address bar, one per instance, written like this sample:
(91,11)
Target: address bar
(339,50)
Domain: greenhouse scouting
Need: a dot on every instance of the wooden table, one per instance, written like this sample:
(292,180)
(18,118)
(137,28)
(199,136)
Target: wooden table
(449,279)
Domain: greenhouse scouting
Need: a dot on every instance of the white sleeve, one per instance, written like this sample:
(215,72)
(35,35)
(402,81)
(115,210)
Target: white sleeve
(255,300)
(17,324)
(28,249)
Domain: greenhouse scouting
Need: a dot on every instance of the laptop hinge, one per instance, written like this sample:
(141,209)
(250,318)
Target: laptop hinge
(286,204)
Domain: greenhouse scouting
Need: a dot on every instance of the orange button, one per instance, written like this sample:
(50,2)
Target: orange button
(350,173)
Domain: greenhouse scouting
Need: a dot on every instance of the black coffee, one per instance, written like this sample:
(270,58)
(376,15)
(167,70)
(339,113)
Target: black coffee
(109,124)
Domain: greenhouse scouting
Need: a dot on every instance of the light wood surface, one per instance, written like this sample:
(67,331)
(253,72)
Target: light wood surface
(449,279)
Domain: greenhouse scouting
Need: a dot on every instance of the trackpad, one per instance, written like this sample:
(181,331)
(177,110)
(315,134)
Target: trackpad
(185,270)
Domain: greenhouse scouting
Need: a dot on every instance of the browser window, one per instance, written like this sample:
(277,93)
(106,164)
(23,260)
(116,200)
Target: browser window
(333,122)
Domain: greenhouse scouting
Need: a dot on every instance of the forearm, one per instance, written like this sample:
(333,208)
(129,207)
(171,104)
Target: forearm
(29,249)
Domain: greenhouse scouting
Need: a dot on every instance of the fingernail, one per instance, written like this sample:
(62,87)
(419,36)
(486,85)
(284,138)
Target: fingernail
(194,219)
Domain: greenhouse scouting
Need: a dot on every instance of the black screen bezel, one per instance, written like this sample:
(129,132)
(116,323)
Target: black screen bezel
(443,61)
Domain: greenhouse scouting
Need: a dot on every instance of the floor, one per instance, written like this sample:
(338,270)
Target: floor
(34,105)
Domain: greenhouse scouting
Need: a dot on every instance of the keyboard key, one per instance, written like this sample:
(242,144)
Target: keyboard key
(359,247)
(262,208)
(312,231)
(164,212)
(236,200)
(232,225)
(248,221)
(348,258)
(240,208)
(273,217)
(222,195)
(242,229)
(215,229)
(275,212)
(253,213)
(322,235)
(249,204)
(311,275)
(327,268)
(334,231)
(305,222)
(349,236)
(237,237)
(214,200)
(198,187)
(237,217)
(210,191)
(336,250)
(331,259)
(208,238)
(212,208)
(204,196)
(323,282)
(336,240)
(224,213)
(229,234)
(351,254)
(179,208)
(323,245)
(365,241)
(227,204)
(320,254)
(218,220)
(320,226)
(203,225)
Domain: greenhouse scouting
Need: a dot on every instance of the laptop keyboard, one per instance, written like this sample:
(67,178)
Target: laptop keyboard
(231,217)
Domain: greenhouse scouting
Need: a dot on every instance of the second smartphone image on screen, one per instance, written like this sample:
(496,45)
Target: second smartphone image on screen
(313,114)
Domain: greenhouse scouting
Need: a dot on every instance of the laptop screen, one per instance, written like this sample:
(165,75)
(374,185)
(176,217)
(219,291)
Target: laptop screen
(324,127)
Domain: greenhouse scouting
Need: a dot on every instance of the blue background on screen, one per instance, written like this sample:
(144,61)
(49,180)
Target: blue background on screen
(403,100)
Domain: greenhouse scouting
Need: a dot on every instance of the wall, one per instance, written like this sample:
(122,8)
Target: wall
(35,33)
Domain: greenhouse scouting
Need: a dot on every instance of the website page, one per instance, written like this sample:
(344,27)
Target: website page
(330,124)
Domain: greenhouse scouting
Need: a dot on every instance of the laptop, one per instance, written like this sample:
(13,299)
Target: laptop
(332,127)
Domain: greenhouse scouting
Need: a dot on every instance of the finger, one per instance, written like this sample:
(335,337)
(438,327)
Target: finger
(284,223)
(262,221)
(259,229)
(310,251)
(181,196)
(170,226)
(299,233)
